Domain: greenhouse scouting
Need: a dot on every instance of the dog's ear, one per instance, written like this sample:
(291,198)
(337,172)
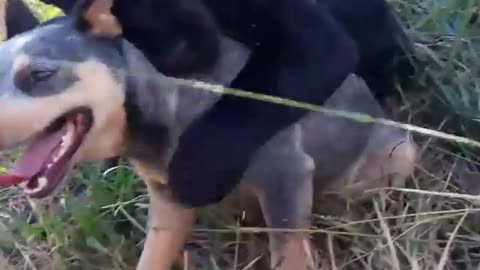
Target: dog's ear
(95,17)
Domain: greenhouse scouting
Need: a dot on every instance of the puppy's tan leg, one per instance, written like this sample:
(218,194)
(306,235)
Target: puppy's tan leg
(169,226)
(282,180)
(168,229)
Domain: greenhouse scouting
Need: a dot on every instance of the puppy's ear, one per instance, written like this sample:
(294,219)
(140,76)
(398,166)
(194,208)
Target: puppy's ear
(95,17)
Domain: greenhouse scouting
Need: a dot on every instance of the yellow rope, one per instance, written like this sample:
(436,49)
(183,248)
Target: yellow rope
(359,117)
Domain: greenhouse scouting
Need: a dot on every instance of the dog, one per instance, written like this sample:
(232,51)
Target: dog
(73,90)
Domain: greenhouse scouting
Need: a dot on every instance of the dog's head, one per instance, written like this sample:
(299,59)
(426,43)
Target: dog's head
(73,90)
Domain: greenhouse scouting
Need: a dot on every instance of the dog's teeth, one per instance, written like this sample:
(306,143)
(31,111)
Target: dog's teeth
(29,191)
(67,140)
(59,155)
(70,132)
(23,184)
(42,182)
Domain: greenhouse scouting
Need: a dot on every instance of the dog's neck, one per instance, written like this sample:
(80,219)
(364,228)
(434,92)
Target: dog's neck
(182,104)
(192,102)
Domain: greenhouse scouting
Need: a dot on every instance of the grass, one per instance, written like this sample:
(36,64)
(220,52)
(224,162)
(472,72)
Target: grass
(98,221)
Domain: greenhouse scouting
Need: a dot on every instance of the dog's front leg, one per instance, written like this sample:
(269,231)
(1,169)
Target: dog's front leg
(169,226)
(282,178)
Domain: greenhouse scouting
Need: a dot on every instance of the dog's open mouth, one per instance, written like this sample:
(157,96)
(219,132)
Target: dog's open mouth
(48,156)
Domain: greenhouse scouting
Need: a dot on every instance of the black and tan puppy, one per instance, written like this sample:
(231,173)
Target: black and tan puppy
(73,90)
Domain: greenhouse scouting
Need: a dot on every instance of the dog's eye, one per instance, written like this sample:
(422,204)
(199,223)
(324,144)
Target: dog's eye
(42,75)
(35,79)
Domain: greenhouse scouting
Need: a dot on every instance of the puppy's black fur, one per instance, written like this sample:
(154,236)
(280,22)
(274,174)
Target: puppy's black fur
(19,18)
(301,50)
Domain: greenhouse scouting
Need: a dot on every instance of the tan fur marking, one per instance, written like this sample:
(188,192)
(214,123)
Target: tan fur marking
(102,21)
(106,97)
(96,89)
(149,176)
(3,20)
(160,241)
(21,61)
(169,228)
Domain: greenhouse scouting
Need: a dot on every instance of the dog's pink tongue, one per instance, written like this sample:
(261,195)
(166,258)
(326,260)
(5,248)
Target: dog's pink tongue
(33,159)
